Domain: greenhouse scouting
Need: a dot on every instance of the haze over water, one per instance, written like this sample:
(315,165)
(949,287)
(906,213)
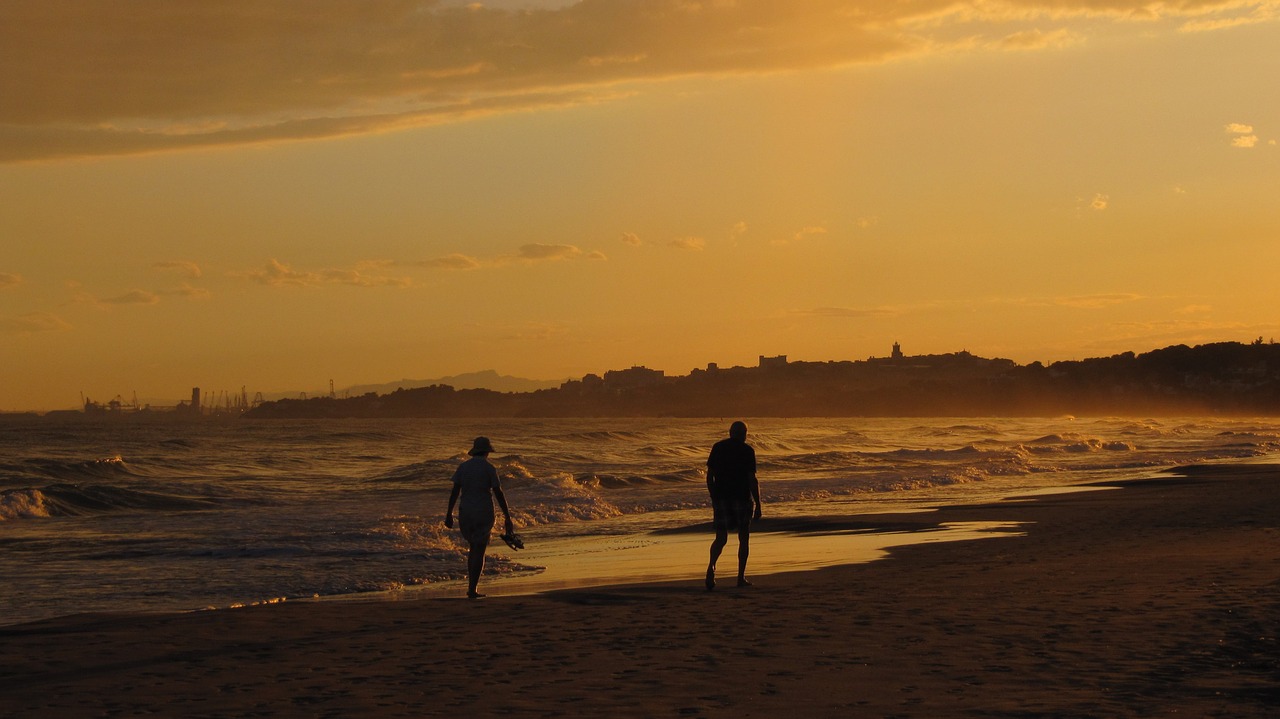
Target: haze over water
(108,516)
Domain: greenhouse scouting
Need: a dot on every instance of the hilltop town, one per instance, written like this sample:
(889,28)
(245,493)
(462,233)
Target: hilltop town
(1219,378)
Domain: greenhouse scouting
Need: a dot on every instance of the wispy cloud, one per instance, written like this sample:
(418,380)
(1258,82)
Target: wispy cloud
(1036,39)
(8,279)
(801,234)
(538,252)
(184,267)
(631,238)
(1232,14)
(132,297)
(1193,309)
(1098,301)
(86,78)
(32,323)
(453,261)
(195,293)
(695,244)
(278,274)
(847,312)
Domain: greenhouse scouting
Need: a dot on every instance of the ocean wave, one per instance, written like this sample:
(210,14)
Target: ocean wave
(22,504)
(603,435)
(113,467)
(967,450)
(435,469)
(960,429)
(73,500)
(560,498)
(672,451)
(604,480)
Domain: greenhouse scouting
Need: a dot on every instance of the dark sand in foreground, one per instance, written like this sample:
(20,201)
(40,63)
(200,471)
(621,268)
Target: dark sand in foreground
(1162,598)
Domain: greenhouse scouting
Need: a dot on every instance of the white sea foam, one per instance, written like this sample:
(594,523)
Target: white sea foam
(22,504)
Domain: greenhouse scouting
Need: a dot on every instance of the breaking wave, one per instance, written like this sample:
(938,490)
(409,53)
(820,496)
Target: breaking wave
(71,500)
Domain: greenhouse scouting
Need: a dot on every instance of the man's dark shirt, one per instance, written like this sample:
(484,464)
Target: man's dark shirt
(732,464)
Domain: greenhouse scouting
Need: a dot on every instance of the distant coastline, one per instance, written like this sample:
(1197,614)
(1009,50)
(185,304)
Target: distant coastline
(1219,378)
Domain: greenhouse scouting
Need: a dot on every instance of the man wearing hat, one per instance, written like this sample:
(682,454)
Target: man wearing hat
(473,482)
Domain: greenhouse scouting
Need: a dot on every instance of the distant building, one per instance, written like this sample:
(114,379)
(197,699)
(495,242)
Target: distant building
(632,378)
(772,362)
(897,351)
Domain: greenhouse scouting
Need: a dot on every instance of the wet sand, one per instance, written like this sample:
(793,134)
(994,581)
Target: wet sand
(1161,598)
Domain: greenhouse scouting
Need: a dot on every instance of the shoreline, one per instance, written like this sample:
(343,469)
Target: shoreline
(1162,597)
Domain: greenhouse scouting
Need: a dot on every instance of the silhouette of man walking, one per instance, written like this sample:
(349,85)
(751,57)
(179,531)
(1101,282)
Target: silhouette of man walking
(735,497)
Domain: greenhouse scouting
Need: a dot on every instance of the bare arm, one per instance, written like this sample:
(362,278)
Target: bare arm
(502,502)
(755,494)
(453,499)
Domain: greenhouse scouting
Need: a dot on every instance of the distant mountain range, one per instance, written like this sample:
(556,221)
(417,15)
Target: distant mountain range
(485,379)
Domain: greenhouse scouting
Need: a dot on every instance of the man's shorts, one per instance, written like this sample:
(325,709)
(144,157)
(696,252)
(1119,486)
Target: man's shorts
(475,526)
(732,514)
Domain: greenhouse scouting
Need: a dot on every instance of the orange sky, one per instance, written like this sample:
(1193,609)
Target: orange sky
(273,195)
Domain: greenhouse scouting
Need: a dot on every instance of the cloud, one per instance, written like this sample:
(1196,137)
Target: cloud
(1037,39)
(631,238)
(1099,202)
(195,293)
(139,297)
(86,78)
(1098,301)
(8,279)
(1193,309)
(132,297)
(278,274)
(695,244)
(454,261)
(1246,13)
(1244,135)
(539,332)
(187,269)
(847,312)
(32,323)
(799,235)
(538,252)
(807,232)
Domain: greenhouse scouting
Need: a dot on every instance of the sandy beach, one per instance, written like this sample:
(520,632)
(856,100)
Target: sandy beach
(1159,598)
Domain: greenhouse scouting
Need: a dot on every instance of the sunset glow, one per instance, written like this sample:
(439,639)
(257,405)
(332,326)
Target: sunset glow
(273,195)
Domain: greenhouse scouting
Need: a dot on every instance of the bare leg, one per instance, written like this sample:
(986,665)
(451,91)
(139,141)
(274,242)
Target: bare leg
(475,566)
(717,546)
(744,550)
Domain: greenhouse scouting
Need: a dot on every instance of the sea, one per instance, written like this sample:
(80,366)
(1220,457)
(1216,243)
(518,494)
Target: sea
(128,515)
